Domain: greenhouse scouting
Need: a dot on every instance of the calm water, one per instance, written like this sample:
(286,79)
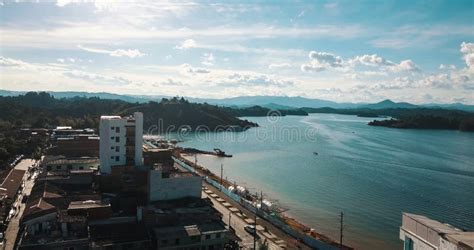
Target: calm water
(371,174)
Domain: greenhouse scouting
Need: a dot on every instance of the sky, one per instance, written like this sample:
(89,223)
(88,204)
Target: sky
(344,51)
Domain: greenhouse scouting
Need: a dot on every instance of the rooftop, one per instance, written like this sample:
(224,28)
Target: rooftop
(73,160)
(110,117)
(87,204)
(12,183)
(447,231)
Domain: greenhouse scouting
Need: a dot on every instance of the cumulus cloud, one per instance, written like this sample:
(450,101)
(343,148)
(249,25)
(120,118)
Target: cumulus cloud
(447,66)
(186,44)
(371,60)
(244,79)
(10,62)
(187,69)
(279,65)
(405,65)
(320,61)
(467,49)
(132,53)
(377,61)
(208,59)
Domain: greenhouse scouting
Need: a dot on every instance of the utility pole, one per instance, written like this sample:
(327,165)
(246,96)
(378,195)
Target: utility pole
(342,226)
(255,224)
(222,171)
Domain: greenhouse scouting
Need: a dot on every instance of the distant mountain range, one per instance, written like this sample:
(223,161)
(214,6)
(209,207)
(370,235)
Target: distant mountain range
(272,102)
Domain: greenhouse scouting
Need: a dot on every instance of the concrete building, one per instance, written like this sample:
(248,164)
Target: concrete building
(170,182)
(121,141)
(76,146)
(71,163)
(421,233)
(188,223)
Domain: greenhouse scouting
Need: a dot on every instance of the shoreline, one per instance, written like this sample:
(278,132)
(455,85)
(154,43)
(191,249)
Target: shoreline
(286,219)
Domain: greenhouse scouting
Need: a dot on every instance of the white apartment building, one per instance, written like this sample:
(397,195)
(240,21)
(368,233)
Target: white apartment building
(121,140)
(421,233)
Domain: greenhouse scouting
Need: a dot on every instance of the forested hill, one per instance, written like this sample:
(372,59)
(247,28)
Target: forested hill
(418,118)
(43,110)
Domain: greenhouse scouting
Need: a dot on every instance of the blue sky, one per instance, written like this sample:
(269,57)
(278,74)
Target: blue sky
(347,51)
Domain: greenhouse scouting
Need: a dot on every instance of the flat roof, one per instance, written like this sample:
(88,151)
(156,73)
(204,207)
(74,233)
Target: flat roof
(87,204)
(74,160)
(12,183)
(110,117)
(447,231)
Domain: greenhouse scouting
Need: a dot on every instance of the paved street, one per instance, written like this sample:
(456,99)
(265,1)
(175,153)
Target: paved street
(13,226)
(276,238)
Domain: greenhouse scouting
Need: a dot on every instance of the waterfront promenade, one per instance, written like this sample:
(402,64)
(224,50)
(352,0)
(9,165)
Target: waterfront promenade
(289,238)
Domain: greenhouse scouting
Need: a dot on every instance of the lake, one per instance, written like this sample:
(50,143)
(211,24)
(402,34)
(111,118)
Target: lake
(371,174)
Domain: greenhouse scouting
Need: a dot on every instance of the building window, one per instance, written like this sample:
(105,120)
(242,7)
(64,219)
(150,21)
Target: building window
(69,166)
(176,242)
(218,235)
(112,148)
(58,167)
(112,157)
(111,138)
(117,149)
(117,158)
(81,168)
(117,139)
(408,243)
(112,128)
(117,130)
(208,236)
(48,167)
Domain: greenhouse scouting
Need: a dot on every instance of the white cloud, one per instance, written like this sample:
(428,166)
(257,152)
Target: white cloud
(447,66)
(378,61)
(247,79)
(467,49)
(208,59)
(10,62)
(19,64)
(169,82)
(187,69)
(132,53)
(96,78)
(186,44)
(62,3)
(279,65)
(320,61)
(397,83)
(371,60)
(67,34)
(405,65)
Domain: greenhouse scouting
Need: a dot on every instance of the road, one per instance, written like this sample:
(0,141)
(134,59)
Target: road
(11,232)
(275,238)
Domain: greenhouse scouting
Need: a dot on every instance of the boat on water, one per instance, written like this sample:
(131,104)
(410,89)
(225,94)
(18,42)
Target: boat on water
(221,153)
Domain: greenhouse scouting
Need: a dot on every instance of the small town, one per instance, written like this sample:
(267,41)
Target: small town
(114,188)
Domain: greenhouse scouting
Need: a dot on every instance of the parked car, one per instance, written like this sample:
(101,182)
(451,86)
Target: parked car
(250,229)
